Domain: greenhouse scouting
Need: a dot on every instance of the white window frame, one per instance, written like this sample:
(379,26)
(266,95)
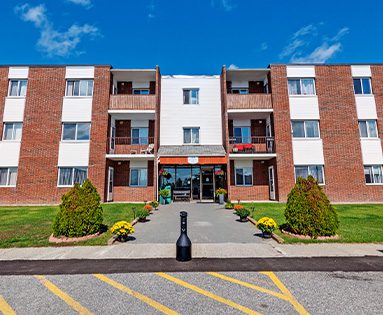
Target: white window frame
(242,136)
(73,168)
(139,169)
(18,88)
(304,129)
(372,172)
(243,176)
(139,136)
(140,90)
(76,131)
(368,130)
(13,131)
(300,85)
(308,172)
(361,85)
(79,80)
(191,136)
(190,98)
(8,176)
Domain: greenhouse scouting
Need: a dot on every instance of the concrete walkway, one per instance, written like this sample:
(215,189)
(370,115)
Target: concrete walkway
(207,223)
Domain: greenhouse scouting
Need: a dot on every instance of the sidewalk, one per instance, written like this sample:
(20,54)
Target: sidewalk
(200,250)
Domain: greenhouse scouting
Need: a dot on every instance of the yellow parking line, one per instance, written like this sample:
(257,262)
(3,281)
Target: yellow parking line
(141,297)
(207,293)
(5,308)
(65,297)
(298,307)
(249,285)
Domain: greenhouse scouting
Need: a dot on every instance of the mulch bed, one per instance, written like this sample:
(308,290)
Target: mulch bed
(306,237)
(64,239)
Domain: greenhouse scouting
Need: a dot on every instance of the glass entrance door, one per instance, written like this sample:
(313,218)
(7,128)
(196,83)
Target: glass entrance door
(207,183)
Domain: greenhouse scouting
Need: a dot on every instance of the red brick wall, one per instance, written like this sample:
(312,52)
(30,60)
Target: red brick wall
(282,132)
(37,173)
(3,94)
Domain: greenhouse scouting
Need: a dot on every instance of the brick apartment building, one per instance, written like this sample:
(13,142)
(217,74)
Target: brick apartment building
(251,131)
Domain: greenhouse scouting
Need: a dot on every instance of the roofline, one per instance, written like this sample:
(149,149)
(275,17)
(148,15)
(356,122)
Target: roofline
(327,64)
(249,69)
(132,70)
(54,66)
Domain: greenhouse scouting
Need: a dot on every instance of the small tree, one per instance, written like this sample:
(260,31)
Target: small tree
(308,210)
(80,212)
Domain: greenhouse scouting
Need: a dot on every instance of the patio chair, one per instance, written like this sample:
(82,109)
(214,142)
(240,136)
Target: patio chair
(148,150)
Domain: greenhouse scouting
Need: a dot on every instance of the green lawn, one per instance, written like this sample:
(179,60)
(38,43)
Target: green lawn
(359,223)
(31,226)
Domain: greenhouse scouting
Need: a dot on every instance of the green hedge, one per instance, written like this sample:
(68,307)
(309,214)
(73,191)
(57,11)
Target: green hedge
(80,212)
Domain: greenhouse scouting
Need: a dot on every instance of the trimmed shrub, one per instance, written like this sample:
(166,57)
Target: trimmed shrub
(80,212)
(308,210)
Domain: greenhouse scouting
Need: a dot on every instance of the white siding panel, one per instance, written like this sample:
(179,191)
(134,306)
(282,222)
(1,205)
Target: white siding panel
(79,72)
(301,71)
(306,152)
(240,84)
(18,72)
(243,163)
(304,107)
(9,153)
(77,109)
(139,123)
(366,107)
(73,154)
(140,85)
(138,163)
(175,115)
(241,122)
(14,109)
(361,71)
(371,151)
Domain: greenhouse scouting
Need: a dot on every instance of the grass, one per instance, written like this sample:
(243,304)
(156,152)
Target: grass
(32,226)
(359,223)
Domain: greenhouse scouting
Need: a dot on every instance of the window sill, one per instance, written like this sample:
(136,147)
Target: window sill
(191,144)
(65,186)
(82,97)
(244,185)
(370,138)
(75,141)
(7,186)
(306,139)
(374,184)
(11,141)
(136,186)
(364,95)
(303,95)
(15,97)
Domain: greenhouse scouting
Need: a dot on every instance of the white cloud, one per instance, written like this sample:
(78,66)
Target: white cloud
(53,42)
(233,67)
(85,3)
(227,5)
(264,46)
(324,50)
(151,10)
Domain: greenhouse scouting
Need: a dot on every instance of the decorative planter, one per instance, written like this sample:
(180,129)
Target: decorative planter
(243,219)
(221,199)
(142,219)
(266,234)
(123,238)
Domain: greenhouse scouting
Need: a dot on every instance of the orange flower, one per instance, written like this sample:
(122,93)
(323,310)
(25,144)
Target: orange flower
(148,207)
(238,207)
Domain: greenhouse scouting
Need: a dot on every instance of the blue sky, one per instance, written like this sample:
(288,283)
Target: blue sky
(190,36)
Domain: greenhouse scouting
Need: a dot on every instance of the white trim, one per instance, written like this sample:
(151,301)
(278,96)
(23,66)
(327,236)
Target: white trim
(18,88)
(76,135)
(73,168)
(361,85)
(139,176)
(304,129)
(307,165)
(8,173)
(300,84)
(243,176)
(79,81)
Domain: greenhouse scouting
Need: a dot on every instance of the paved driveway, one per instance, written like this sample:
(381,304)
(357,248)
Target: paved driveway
(207,223)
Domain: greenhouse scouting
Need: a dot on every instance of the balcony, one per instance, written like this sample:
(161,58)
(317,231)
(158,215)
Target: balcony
(130,146)
(132,102)
(251,145)
(249,101)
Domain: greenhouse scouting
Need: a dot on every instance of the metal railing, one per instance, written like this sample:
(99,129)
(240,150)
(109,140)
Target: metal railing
(251,145)
(130,145)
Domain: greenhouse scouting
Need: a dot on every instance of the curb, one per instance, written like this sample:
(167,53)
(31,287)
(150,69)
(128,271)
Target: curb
(274,236)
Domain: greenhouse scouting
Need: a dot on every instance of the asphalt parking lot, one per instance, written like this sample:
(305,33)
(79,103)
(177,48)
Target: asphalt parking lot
(194,293)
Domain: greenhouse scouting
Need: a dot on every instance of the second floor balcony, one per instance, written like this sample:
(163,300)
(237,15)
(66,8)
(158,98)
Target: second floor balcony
(132,102)
(130,145)
(249,101)
(251,145)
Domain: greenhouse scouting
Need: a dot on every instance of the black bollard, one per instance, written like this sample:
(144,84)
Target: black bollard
(183,243)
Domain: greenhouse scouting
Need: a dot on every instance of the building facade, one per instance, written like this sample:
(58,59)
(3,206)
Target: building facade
(133,132)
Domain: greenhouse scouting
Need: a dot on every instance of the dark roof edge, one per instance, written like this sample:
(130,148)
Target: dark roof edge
(327,64)
(54,66)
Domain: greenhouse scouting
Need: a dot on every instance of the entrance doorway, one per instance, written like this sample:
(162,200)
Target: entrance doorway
(207,183)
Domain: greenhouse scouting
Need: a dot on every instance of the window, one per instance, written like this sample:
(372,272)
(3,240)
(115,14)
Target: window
(315,171)
(240,91)
(191,96)
(242,135)
(362,86)
(301,86)
(17,88)
(8,176)
(305,128)
(141,91)
(191,135)
(244,176)
(368,129)
(140,135)
(76,131)
(68,176)
(79,88)
(373,174)
(12,131)
(138,177)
